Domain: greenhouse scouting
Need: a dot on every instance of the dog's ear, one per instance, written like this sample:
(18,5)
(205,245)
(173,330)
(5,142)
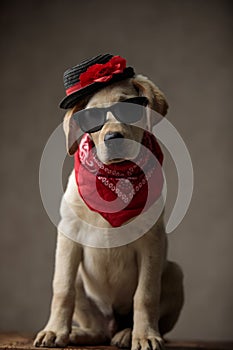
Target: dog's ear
(71,128)
(157,100)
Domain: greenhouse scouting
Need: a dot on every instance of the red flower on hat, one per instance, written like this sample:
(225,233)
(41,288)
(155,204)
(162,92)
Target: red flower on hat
(103,72)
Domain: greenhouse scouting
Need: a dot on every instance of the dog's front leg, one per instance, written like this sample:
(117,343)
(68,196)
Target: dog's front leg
(150,257)
(56,332)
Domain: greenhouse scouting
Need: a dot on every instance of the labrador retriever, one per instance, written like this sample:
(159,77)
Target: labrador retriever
(130,295)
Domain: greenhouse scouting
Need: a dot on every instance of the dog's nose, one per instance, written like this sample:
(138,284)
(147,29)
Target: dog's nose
(113,135)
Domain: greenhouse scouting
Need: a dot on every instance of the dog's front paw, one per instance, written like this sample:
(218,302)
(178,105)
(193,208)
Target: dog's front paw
(51,339)
(148,341)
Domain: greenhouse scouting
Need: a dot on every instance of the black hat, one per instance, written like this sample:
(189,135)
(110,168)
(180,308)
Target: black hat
(92,75)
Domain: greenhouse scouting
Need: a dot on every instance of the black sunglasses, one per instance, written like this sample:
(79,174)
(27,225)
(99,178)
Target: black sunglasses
(128,111)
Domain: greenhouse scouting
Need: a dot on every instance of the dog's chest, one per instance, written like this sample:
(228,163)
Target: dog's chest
(109,273)
(110,263)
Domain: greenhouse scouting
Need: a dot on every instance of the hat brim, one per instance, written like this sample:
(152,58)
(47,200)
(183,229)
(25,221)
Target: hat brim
(71,100)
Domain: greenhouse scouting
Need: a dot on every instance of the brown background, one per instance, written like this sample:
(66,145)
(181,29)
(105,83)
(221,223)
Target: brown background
(184,46)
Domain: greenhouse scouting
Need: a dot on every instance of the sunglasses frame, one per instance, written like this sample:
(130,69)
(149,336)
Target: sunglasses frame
(139,100)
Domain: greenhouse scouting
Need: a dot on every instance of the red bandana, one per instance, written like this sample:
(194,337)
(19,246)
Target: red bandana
(119,191)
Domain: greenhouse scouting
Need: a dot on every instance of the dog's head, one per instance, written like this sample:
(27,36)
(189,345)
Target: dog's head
(111,139)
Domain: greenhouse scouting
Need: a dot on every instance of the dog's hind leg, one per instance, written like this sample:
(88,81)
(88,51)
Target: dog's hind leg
(122,339)
(88,336)
(90,326)
(172,297)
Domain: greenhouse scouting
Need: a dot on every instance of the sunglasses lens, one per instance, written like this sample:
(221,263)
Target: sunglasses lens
(90,120)
(130,111)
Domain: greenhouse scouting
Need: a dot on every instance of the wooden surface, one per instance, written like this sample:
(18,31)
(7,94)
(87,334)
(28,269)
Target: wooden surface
(20,342)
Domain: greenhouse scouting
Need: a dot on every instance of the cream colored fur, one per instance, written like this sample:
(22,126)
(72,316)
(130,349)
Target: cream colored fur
(129,295)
